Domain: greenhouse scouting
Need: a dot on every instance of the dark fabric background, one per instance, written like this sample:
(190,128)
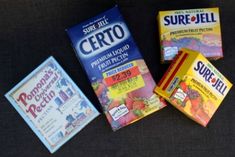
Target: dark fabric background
(32,30)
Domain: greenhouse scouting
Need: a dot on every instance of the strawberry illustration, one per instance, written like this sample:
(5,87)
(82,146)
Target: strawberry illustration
(193,18)
(213,80)
(138,105)
(184,86)
(129,103)
(195,104)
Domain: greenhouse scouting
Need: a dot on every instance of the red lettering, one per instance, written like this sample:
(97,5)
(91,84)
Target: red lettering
(32,109)
(22,98)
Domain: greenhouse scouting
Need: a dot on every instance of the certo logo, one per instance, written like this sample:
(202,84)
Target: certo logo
(209,76)
(186,19)
(102,39)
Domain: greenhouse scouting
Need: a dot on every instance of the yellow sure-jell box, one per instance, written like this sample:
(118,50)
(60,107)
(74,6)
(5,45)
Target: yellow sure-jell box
(194,86)
(196,29)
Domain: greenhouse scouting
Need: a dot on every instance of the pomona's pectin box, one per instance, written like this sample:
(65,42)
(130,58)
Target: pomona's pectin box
(52,104)
(194,86)
(115,68)
(196,29)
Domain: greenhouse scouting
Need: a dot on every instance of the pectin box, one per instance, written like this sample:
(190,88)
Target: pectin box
(115,68)
(52,104)
(194,86)
(196,29)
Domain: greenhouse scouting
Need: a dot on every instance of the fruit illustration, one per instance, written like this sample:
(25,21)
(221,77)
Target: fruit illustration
(147,91)
(209,108)
(114,103)
(129,103)
(210,45)
(213,80)
(99,89)
(184,86)
(198,109)
(195,105)
(193,18)
(212,40)
(128,118)
(138,105)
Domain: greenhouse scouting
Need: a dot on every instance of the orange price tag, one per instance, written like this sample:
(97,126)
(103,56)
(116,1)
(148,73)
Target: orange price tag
(121,76)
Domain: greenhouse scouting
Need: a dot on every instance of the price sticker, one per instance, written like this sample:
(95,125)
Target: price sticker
(125,80)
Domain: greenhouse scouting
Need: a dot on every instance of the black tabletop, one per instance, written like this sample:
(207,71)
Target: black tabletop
(33,30)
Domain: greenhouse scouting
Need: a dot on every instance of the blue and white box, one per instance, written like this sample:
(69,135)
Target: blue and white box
(50,102)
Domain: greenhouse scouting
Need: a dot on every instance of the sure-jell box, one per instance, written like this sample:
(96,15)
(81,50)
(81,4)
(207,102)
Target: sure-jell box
(196,29)
(194,86)
(115,68)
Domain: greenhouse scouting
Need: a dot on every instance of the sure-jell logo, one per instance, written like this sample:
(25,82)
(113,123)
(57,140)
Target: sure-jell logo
(210,77)
(187,19)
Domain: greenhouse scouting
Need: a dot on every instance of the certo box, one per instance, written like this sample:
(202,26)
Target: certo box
(52,104)
(115,68)
(194,86)
(196,29)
